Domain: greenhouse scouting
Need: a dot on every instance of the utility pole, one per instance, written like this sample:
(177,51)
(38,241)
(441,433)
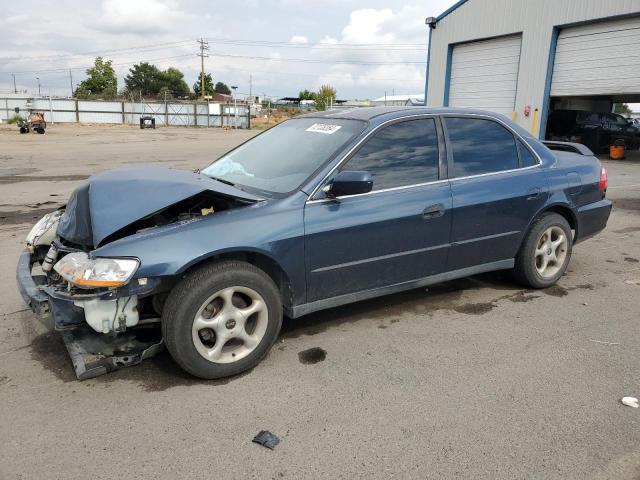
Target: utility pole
(15,89)
(235,107)
(71,82)
(203,46)
(250,87)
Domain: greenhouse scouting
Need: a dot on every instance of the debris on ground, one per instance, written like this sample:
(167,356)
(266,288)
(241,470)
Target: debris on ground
(266,439)
(604,343)
(632,282)
(630,402)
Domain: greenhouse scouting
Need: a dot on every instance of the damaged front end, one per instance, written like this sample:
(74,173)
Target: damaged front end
(108,317)
(104,327)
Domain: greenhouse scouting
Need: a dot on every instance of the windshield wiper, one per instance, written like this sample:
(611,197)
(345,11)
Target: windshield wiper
(222,181)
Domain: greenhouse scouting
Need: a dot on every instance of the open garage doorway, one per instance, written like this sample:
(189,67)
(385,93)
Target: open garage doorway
(594,122)
(595,67)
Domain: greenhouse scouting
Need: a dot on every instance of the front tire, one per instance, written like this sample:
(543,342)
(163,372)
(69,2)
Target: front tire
(222,319)
(545,252)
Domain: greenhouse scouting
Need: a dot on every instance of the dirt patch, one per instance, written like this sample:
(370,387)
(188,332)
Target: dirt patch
(312,355)
(631,204)
(153,375)
(16,170)
(416,302)
(556,291)
(631,260)
(628,230)
(475,308)
(41,178)
(522,297)
(49,351)
(17,217)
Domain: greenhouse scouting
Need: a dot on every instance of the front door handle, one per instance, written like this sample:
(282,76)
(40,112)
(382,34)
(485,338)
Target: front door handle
(433,211)
(533,193)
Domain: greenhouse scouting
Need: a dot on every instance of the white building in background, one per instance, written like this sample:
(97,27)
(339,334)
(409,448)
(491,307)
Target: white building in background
(398,100)
(524,58)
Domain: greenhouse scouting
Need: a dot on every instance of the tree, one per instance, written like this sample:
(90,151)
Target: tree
(101,80)
(222,88)
(306,95)
(622,109)
(208,85)
(326,96)
(173,83)
(144,79)
(148,80)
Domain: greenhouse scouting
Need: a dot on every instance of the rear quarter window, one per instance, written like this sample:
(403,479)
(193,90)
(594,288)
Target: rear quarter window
(480,146)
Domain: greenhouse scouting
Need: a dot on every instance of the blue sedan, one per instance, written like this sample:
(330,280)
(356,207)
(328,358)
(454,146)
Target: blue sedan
(322,210)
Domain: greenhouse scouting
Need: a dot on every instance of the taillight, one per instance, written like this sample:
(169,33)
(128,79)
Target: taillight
(604,179)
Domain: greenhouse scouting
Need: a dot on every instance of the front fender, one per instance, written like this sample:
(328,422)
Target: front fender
(274,229)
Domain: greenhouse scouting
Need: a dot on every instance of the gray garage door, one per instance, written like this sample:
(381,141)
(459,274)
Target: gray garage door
(598,59)
(485,74)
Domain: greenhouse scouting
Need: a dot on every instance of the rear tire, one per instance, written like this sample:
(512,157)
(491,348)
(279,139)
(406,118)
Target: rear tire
(222,319)
(545,252)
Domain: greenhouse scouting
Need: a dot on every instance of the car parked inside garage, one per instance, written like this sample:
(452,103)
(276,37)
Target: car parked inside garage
(320,211)
(596,130)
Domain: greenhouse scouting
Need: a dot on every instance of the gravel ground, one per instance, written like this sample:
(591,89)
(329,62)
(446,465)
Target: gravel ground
(476,378)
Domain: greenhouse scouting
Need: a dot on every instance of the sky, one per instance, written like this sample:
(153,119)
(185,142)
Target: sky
(363,49)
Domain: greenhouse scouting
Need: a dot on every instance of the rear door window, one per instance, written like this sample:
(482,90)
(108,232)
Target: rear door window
(402,154)
(480,146)
(526,157)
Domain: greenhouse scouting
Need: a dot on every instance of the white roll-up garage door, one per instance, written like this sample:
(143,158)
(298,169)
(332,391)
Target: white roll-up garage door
(598,59)
(485,74)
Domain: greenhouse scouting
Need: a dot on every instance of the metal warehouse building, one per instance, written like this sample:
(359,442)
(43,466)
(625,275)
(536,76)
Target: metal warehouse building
(523,58)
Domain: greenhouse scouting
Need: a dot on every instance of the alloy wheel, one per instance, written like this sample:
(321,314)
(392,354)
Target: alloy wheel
(551,252)
(230,324)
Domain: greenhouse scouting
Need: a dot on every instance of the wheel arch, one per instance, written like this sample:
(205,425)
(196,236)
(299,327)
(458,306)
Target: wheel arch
(561,209)
(263,261)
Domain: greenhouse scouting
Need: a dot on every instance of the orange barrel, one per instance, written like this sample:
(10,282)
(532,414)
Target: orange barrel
(616,151)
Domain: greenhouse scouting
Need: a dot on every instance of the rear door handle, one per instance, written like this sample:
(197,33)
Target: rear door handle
(533,193)
(433,211)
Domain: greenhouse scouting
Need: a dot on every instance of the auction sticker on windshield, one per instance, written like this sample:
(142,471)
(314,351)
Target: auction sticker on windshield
(324,128)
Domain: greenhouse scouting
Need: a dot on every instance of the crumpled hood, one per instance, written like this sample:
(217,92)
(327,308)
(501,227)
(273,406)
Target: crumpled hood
(114,199)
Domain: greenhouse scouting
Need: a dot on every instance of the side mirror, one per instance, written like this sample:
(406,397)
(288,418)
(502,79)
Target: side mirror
(349,183)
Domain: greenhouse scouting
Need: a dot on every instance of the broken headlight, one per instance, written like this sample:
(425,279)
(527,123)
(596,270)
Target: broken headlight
(44,229)
(86,272)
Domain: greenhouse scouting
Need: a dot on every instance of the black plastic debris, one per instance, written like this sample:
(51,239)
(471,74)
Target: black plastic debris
(266,439)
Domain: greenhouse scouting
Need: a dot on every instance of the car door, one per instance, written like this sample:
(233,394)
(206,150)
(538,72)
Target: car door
(497,187)
(396,233)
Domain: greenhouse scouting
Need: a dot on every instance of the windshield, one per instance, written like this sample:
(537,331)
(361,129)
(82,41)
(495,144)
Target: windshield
(283,157)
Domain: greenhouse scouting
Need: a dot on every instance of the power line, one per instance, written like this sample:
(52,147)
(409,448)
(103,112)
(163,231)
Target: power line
(271,43)
(226,41)
(139,48)
(311,60)
(189,55)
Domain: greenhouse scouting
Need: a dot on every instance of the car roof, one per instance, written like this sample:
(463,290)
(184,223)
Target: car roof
(389,113)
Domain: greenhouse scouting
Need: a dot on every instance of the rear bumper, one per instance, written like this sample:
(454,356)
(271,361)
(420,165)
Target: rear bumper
(592,219)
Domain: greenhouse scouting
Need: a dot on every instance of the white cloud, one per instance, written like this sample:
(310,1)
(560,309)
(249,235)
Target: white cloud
(139,16)
(113,27)
(300,39)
